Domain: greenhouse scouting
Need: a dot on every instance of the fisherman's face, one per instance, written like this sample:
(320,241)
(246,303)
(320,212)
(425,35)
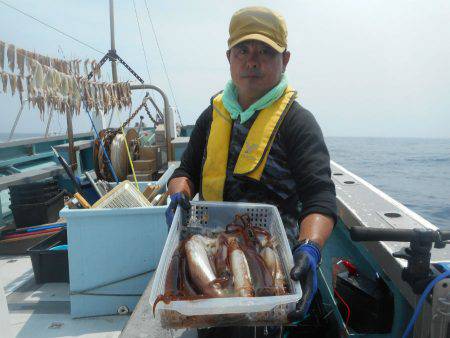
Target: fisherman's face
(256,67)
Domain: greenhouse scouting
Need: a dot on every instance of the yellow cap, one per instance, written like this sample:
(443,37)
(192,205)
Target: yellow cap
(258,23)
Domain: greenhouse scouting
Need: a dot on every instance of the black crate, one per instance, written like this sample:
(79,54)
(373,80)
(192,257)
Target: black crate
(35,197)
(50,266)
(38,213)
(33,186)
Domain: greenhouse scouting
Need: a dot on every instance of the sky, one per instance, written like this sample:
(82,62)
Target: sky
(363,68)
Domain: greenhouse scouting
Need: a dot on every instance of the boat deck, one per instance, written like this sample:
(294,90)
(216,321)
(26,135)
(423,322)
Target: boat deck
(43,310)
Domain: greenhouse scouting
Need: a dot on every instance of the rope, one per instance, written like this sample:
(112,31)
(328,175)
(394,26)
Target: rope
(103,147)
(163,63)
(51,27)
(128,151)
(142,41)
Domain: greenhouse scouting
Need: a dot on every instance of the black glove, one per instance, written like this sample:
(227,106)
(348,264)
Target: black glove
(175,199)
(306,260)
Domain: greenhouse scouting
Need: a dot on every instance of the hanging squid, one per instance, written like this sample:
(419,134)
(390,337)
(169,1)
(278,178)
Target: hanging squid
(20,56)
(2,55)
(12,83)
(4,81)
(11,54)
(20,88)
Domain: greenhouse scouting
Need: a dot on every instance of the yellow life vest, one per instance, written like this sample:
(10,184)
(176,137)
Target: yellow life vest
(253,156)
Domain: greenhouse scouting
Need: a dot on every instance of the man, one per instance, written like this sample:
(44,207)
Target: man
(255,143)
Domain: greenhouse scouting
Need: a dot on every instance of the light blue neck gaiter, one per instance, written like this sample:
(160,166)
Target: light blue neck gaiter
(230,100)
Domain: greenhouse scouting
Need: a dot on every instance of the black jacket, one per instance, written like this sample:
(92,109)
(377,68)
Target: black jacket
(296,178)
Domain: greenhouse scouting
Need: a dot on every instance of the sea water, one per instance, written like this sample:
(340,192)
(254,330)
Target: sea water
(414,171)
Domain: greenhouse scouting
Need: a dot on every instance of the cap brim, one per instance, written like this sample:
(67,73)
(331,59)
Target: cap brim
(261,38)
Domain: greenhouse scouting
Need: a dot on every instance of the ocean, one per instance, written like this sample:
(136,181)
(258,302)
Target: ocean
(414,171)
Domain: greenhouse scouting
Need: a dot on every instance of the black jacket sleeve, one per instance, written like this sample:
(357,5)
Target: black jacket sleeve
(309,162)
(192,158)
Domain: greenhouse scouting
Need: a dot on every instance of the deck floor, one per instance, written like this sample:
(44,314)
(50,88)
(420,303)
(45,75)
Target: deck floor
(43,310)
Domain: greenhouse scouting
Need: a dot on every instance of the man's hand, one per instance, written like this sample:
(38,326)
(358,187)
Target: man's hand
(176,199)
(181,189)
(306,259)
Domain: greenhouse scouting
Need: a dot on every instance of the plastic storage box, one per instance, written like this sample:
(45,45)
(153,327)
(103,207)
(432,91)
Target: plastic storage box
(38,213)
(271,310)
(50,266)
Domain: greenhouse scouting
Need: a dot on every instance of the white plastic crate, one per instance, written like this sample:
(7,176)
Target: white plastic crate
(232,310)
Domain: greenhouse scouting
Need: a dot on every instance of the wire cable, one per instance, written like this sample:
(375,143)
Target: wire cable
(142,41)
(163,63)
(51,27)
(346,306)
(422,299)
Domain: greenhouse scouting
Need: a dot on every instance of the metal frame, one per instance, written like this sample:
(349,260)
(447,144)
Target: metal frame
(167,118)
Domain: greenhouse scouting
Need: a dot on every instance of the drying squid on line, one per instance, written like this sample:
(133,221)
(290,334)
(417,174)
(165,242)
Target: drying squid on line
(129,94)
(40,102)
(106,98)
(74,70)
(5,82)
(11,54)
(55,64)
(38,79)
(86,70)
(12,83)
(20,56)
(123,94)
(47,61)
(119,96)
(100,96)
(116,97)
(70,86)
(31,91)
(112,96)
(57,81)
(48,80)
(2,55)
(98,70)
(88,96)
(93,70)
(65,67)
(77,67)
(76,94)
(40,59)
(95,96)
(64,88)
(30,62)
(20,88)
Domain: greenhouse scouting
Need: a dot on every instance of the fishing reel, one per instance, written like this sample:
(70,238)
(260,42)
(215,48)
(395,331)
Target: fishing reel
(115,143)
(419,271)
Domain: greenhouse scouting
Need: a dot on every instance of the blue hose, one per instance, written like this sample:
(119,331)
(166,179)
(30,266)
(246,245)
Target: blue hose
(422,300)
(104,150)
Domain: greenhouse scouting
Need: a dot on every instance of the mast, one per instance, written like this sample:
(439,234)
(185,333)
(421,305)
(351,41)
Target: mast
(113,43)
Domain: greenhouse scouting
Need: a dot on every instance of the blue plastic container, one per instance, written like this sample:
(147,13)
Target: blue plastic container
(113,254)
